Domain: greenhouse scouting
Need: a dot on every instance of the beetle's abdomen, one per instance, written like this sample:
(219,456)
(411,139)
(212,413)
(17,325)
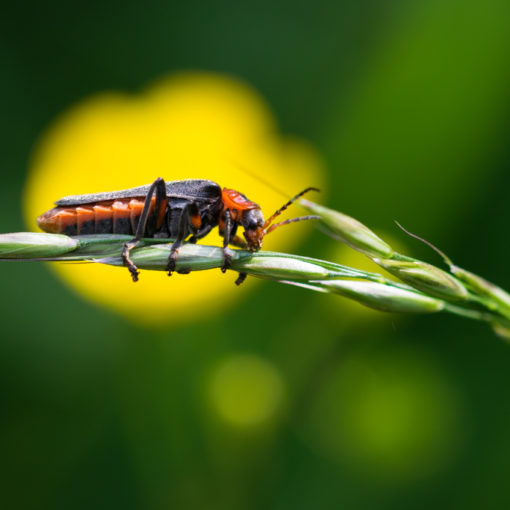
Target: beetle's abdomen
(109,217)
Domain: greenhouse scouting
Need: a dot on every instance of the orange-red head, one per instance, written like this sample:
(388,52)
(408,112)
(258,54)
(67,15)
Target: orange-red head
(250,216)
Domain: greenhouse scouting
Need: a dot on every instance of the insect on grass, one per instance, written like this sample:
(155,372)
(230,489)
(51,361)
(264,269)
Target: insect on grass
(185,210)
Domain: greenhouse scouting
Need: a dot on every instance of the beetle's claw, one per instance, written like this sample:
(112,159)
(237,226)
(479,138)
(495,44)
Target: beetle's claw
(171,263)
(132,269)
(227,260)
(129,263)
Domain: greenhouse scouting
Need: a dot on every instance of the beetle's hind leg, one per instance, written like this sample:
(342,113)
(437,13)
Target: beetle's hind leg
(127,259)
(158,188)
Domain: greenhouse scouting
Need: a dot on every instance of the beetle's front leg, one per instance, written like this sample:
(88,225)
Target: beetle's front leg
(239,242)
(229,237)
(227,259)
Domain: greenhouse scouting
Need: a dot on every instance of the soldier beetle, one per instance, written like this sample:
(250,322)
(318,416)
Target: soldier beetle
(185,210)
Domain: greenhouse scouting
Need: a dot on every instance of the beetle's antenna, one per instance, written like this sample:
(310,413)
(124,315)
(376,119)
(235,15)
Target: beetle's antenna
(284,207)
(257,177)
(292,220)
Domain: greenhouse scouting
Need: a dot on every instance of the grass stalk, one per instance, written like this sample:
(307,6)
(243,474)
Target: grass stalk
(423,288)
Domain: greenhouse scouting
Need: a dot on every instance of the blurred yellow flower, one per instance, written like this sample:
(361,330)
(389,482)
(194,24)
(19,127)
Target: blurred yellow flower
(189,125)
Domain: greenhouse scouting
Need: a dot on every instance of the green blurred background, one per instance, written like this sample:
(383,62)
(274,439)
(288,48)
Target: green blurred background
(287,400)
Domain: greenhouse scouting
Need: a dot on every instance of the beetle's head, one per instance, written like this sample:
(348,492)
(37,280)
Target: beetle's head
(249,215)
(253,222)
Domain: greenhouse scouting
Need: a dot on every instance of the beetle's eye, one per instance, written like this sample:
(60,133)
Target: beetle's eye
(253,219)
(252,225)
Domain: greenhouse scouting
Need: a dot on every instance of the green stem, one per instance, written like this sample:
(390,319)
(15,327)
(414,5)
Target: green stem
(370,289)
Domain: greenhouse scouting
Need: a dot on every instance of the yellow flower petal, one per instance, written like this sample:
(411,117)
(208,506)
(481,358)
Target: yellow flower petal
(190,125)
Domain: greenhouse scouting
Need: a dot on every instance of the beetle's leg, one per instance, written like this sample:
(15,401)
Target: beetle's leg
(127,259)
(201,233)
(189,212)
(227,232)
(239,242)
(229,237)
(158,187)
(241,278)
(160,206)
